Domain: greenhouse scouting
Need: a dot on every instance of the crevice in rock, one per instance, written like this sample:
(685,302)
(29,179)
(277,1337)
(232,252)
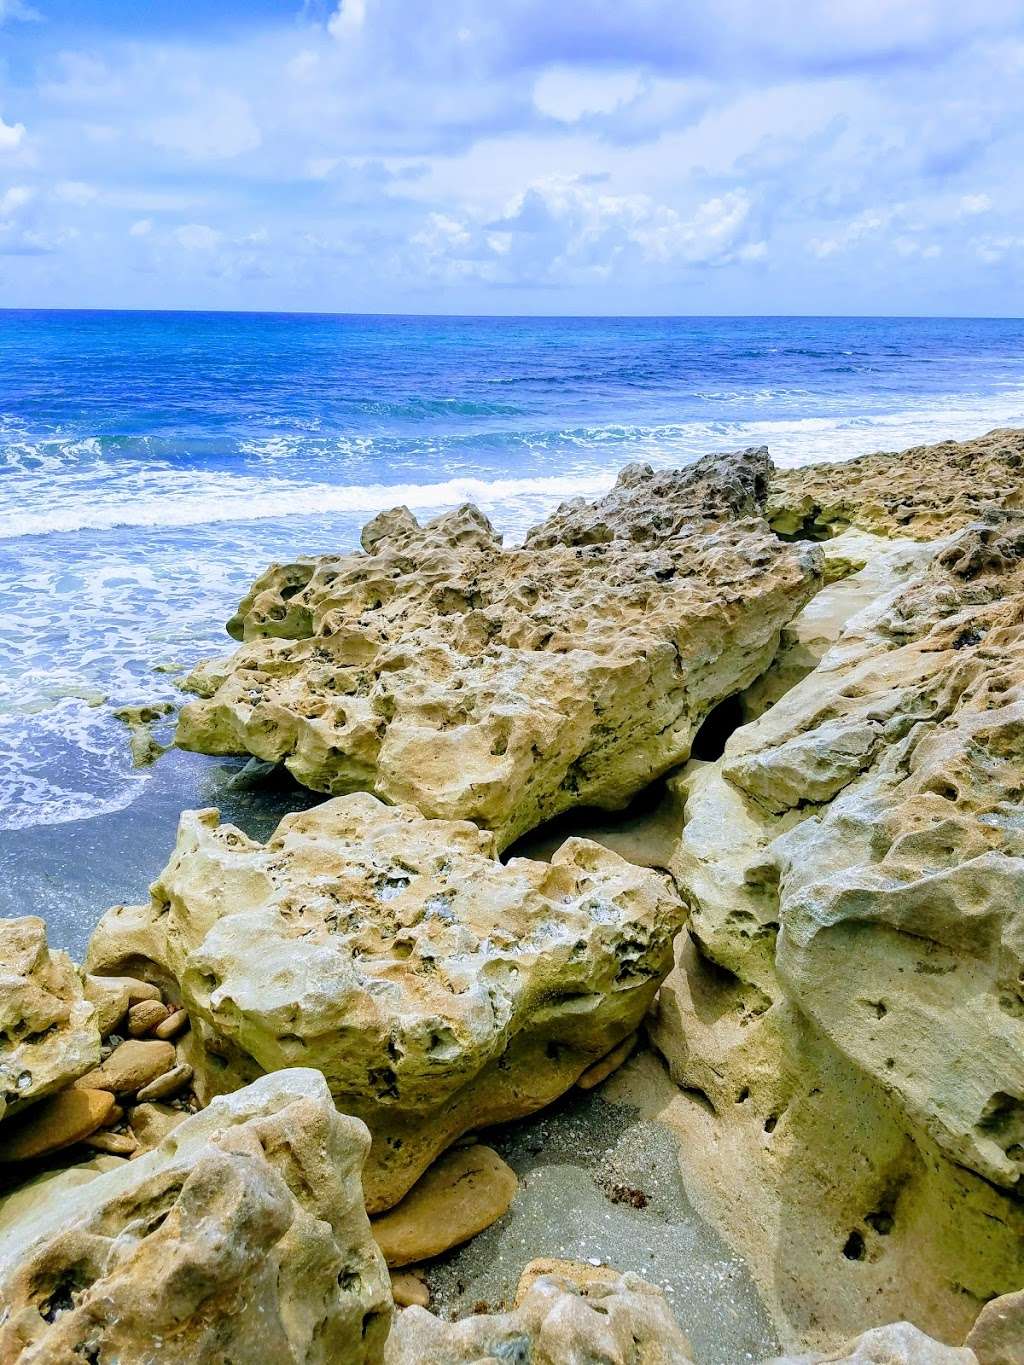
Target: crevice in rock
(718,725)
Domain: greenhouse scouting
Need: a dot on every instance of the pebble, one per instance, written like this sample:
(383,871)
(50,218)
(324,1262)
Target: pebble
(131,1066)
(116,1144)
(54,1123)
(144,1017)
(168,1084)
(172,1025)
(408,1290)
(466,1190)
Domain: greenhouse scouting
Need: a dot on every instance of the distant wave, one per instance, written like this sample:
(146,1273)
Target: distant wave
(252,500)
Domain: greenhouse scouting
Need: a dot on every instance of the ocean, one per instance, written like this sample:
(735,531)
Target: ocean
(152,463)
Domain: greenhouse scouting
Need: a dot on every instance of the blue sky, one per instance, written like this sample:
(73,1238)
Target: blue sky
(514,156)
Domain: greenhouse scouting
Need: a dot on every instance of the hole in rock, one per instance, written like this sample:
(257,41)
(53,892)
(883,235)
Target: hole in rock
(645,832)
(710,740)
(853,1249)
(770,1123)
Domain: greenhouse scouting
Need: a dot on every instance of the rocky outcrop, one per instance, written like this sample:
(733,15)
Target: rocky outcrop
(626,1321)
(241,1237)
(49,1032)
(437,989)
(848,996)
(924,493)
(438,669)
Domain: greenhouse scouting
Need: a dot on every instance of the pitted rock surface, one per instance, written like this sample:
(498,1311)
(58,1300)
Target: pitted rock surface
(849,994)
(437,989)
(924,492)
(49,1031)
(241,1237)
(625,1320)
(438,669)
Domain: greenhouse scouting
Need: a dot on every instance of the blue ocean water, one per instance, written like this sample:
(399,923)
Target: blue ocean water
(151,463)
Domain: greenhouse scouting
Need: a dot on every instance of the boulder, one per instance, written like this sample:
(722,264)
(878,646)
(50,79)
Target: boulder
(437,989)
(241,1237)
(997,1338)
(506,685)
(625,1320)
(49,1032)
(924,493)
(465,1191)
(131,1066)
(53,1123)
(899,1343)
(848,997)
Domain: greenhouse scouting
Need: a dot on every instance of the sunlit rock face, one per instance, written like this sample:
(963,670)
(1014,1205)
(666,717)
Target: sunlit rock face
(849,994)
(925,492)
(49,1030)
(241,1237)
(504,685)
(621,1319)
(437,989)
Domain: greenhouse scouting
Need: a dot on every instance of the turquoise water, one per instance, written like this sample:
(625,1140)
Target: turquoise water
(150,464)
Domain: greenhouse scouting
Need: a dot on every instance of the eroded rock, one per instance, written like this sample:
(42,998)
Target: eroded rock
(437,989)
(627,1321)
(241,1237)
(899,1343)
(848,996)
(439,669)
(925,492)
(49,1032)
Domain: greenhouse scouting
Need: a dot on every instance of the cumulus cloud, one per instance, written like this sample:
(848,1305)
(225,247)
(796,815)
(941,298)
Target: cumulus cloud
(11,135)
(218,126)
(198,237)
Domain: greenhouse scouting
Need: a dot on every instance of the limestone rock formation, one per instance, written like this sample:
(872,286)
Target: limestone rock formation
(49,1033)
(849,995)
(626,1321)
(437,668)
(924,492)
(997,1338)
(899,1343)
(437,989)
(241,1237)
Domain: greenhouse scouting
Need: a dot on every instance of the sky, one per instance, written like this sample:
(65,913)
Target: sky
(514,156)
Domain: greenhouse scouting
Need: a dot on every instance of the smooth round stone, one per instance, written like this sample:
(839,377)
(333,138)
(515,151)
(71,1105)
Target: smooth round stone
(130,1066)
(465,1191)
(144,1017)
(168,1084)
(55,1123)
(408,1290)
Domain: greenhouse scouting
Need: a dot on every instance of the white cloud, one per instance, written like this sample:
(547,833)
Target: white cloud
(569,93)
(972,204)
(866,224)
(75,192)
(14,199)
(994,249)
(198,237)
(142,228)
(347,19)
(11,135)
(219,127)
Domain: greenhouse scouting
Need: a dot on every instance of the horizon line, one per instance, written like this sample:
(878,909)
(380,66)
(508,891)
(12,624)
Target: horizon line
(528,317)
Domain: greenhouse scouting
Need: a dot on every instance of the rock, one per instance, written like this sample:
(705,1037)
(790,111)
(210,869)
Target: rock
(900,1343)
(997,1337)
(172,1025)
(580,1274)
(860,571)
(602,1069)
(130,1066)
(409,1289)
(113,996)
(144,1017)
(152,1122)
(114,1144)
(626,1321)
(439,670)
(465,1191)
(437,989)
(924,493)
(145,747)
(848,995)
(170,1083)
(48,1029)
(242,1237)
(54,1123)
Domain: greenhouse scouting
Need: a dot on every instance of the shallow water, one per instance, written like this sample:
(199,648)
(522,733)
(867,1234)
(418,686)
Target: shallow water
(152,464)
